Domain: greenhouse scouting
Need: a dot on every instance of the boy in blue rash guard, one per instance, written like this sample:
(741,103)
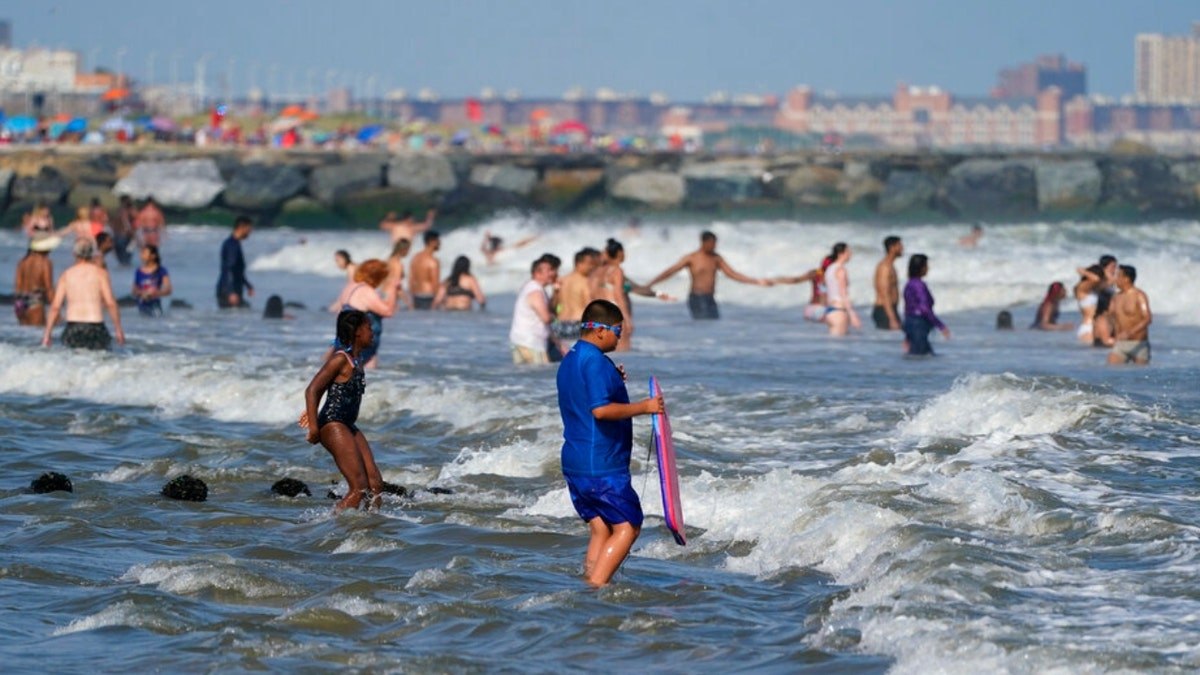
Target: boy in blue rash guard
(598,441)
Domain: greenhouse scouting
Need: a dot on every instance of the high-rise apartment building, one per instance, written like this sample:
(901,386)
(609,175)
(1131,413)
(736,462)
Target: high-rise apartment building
(1167,67)
(5,34)
(1049,70)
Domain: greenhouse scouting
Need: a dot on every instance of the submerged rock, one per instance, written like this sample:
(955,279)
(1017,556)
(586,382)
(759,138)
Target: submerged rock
(51,481)
(186,488)
(290,487)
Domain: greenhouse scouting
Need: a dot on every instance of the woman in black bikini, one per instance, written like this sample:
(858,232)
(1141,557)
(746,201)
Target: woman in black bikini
(342,382)
(460,288)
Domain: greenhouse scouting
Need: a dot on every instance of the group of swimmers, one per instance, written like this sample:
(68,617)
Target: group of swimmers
(1114,312)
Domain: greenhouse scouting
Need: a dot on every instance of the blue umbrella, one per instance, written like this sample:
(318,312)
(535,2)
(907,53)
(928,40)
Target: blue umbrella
(20,125)
(77,125)
(460,137)
(369,132)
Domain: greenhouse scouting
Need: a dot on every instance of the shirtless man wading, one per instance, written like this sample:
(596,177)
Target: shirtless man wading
(575,294)
(425,273)
(86,289)
(887,287)
(703,265)
(1130,315)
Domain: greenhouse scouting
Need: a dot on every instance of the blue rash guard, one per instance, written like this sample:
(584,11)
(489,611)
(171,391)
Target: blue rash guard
(587,380)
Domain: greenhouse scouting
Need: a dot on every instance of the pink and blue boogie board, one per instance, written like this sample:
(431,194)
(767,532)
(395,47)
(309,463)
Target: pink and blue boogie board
(668,478)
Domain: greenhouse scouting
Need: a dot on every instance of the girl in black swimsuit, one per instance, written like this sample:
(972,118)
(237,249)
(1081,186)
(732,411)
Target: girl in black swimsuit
(341,382)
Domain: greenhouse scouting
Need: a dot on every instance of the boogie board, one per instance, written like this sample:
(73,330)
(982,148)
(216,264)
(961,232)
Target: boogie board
(668,478)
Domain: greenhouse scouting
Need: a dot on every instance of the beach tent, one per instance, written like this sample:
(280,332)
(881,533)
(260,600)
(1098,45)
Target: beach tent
(368,133)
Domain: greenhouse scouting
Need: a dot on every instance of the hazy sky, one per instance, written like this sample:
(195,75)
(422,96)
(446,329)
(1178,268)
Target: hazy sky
(685,49)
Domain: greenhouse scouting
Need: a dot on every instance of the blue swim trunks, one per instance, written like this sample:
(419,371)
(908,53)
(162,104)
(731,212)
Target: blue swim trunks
(611,497)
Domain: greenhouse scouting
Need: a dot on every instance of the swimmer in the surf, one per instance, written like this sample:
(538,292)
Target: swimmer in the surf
(341,382)
(598,441)
(703,265)
(492,245)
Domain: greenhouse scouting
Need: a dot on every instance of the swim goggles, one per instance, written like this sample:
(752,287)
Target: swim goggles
(616,330)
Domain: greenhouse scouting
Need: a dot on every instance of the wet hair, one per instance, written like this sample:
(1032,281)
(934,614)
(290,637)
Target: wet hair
(1096,269)
(431,235)
(401,247)
(838,248)
(405,215)
(348,321)
(343,254)
(583,254)
(153,253)
(51,481)
(372,272)
(1004,320)
(538,263)
(889,242)
(603,311)
(707,236)
(101,239)
(462,265)
(918,265)
(1130,271)
(241,221)
(613,248)
(1106,260)
(555,261)
(274,308)
(1053,291)
(84,249)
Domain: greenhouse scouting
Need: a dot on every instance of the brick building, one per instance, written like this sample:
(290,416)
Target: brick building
(928,117)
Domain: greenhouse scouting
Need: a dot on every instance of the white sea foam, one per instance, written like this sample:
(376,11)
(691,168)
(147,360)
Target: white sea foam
(220,574)
(124,613)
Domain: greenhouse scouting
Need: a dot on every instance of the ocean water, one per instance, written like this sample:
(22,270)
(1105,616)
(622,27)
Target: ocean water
(1013,505)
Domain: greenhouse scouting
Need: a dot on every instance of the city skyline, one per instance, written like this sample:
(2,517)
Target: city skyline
(684,50)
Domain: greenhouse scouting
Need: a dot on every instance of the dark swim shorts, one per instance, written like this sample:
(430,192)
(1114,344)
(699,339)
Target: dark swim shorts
(86,336)
(610,497)
(703,306)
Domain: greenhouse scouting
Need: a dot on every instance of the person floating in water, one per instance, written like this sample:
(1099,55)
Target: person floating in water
(341,382)
(598,441)
(703,265)
(1047,313)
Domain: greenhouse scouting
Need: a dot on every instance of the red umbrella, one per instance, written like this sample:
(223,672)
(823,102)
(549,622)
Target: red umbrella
(115,94)
(571,127)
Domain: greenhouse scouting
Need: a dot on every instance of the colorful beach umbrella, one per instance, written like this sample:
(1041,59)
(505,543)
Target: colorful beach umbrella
(20,124)
(115,94)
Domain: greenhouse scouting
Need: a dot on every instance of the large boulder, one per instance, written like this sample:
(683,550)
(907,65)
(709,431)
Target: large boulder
(330,183)
(990,188)
(813,186)
(264,187)
(184,184)
(1186,172)
(659,189)
(48,187)
(505,177)
(1147,184)
(422,173)
(907,191)
(859,183)
(1070,185)
(723,182)
(568,188)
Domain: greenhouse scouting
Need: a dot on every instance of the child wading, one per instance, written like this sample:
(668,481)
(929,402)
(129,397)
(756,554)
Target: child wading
(598,441)
(341,382)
